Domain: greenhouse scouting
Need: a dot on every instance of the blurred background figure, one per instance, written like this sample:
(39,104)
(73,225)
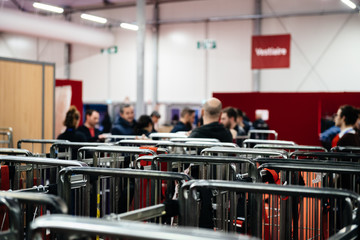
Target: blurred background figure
(187,118)
(155,116)
(144,126)
(71,123)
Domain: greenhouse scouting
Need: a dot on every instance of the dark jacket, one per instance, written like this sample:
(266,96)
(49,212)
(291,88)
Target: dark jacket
(72,135)
(349,139)
(180,126)
(212,130)
(123,127)
(87,134)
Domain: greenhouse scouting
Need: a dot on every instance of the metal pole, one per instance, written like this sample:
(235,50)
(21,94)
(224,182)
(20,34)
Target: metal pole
(140,17)
(156,54)
(68,50)
(257,31)
(206,72)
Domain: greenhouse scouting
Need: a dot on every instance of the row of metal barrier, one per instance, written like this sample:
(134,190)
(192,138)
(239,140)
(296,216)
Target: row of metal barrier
(276,190)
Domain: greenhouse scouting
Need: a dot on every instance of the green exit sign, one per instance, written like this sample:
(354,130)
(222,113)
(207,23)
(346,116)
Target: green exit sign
(110,50)
(206,44)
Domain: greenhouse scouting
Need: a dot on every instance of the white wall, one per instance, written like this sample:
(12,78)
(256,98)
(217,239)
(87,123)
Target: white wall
(325,52)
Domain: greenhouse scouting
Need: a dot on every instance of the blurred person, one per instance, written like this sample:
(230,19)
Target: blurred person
(228,119)
(106,123)
(155,116)
(89,129)
(71,123)
(212,128)
(144,126)
(126,123)
(187,118)
(243,122)
(345,119)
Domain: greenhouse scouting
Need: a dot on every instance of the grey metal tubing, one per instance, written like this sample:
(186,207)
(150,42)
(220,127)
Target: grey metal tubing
(122,137)
(245,151)
(141,142)
(263,131)
(337,155)
(212,144)
(15,151)
(324,167)
(118,149)
(42,161)
(347,233)
(140,214)
(71,145)
(289,147)
(16,225)
(258,188)
(55,202)
(166,135)
(345,149)
(185,139)
(64,185)
(260,141)
(66,225)
(42,141)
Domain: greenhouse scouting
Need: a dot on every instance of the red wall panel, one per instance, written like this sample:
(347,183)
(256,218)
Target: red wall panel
(295,116)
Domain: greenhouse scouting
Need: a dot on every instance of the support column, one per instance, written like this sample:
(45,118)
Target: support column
(257,31)
(155,100)
(140,18)
(68,51)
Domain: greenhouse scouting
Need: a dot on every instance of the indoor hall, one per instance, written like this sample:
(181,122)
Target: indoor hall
(282,70)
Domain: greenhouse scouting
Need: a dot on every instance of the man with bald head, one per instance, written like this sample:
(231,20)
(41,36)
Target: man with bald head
(212,128)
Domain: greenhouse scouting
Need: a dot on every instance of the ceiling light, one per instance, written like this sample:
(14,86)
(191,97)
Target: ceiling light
(48,7)
(93,18)
(129,26)
(349,3)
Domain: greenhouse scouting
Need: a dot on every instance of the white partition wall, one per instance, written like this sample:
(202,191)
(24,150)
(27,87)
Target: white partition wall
(325,51)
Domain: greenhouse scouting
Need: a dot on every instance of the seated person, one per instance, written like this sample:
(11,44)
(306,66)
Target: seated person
(89,127)
(212,128)
(155,116)
(144,126)
(187,117)
(345,119)
(126,123)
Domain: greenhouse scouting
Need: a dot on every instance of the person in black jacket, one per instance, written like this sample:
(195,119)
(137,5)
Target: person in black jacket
(144,126)
(89,127)
(71,123)
(212,128)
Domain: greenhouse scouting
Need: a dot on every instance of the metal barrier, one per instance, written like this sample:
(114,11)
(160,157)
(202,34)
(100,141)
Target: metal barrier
(110,190)
(68,150)
(69,226)
(347,233)
(113,156)
(326,155)
(209,167)
(7,137)
(114,138)
(315,173)
(20,211)
(34,170)
(267,210)
(39,151)
(348,149)
(187,139)
(142,142)
(250,142)
(166,135)
(259,131)
(246,152)
(291,148)
(15,152)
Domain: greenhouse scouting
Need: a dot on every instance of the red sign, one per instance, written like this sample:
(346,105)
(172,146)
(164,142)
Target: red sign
(271,51)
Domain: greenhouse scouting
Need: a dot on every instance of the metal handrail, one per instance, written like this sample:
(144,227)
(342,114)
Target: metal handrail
(142,142)
(185,139)
(42,161)
(289,147)
(261,141)
(42,141)
(15,151)
(67,225)
(264,132)
(245,151)
(345,149)
(337,155)
(166,135)
(140,214)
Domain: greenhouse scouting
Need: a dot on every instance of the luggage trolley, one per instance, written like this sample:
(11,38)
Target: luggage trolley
(324,174)
(69,226)
(126,192)
(25,172)
(252,142)
(17,211)
(15,152)
(6,138)
(255,224)
(39,147)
